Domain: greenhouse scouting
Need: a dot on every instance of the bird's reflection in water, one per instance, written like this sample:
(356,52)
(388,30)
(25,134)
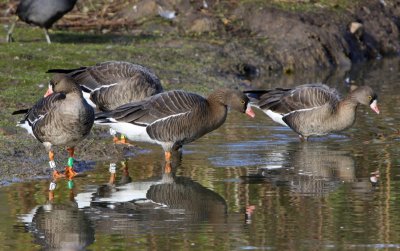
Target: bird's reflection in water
(165,202)
(60,226)
(195,201)
(309,169)
(320,170)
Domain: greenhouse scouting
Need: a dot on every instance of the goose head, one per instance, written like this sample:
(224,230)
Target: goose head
(238,101)
(366,96)
(62,83)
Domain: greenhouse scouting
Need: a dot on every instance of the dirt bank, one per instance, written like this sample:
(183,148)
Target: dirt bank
(263,35)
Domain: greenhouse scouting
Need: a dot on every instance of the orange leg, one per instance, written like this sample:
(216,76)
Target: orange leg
(56,174)
(71,151)
(125,169)
(168,156)
(112,179)
(52,187)
(121,141)
(51,155)
(51,196)
(69,171)
(167,168)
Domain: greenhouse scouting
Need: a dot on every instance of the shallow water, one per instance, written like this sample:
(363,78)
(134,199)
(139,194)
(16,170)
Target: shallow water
(250,185)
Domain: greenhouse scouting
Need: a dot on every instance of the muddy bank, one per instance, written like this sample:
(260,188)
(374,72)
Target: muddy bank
(24,158)
(282,36)
(271,37)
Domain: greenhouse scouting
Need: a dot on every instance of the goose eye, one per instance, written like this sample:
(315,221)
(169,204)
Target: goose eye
(369,97)
(243,102)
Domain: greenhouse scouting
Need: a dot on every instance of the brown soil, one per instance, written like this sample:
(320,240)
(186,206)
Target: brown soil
(279,38)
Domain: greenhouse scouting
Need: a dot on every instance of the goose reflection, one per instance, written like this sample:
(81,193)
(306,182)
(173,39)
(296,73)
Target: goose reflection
(320,170)
(159,199)
(314,169)
(60,226)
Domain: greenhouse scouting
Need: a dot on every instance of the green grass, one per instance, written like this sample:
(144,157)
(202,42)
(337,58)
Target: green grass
(180,62)
(306,5)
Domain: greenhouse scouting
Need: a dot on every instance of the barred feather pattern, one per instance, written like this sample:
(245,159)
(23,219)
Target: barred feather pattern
(114,83)
(199,202)
(60,119)
(176,117)
(312,109)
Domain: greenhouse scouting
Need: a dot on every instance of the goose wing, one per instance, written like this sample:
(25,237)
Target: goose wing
(166,115)
(303,97)
(104,74)
(39,111)
(160,106)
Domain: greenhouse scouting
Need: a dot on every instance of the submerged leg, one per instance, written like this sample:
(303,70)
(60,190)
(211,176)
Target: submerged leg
(69,171)
(46,34)
(10,31)
(167,168)
(303,138)
(168,157)
(52,187)
(125,178)
(113,174)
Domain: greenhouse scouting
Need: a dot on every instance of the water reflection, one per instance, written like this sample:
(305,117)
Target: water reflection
(60,226)
(175,195)
(124,206)
(308,168)
(320,169)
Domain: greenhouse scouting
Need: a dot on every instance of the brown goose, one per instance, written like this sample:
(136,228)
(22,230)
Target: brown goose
(63,118)
(313,109)
(108,85)
(174,118)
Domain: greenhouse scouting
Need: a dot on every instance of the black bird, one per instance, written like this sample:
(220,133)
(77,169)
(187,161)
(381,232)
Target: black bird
(42,13)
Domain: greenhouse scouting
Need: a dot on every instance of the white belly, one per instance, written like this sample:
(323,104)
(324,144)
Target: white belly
(277,117)
(132,132)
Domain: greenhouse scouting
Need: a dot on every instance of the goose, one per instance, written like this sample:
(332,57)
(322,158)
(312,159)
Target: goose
(108,85)
(174,118)
(42,13)
(62,118)
(313,109)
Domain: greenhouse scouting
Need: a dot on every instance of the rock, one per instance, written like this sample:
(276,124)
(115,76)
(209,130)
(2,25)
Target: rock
(200,24)
(356,27)
(144,9)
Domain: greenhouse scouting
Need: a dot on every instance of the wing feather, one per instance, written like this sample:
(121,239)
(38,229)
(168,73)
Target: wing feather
(285,101)
(160,106)
(40,110)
